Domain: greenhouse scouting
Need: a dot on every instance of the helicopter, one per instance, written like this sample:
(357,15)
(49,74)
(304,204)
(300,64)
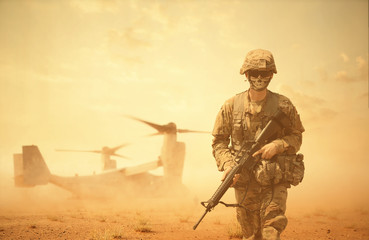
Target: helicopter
(30,169)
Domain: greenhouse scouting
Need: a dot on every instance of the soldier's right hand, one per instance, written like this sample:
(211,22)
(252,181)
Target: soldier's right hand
(225,174)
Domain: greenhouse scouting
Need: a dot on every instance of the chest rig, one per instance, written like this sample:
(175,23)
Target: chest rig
(247,125)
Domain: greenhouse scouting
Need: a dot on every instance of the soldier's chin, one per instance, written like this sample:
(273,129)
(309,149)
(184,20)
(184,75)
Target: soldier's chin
(259,88)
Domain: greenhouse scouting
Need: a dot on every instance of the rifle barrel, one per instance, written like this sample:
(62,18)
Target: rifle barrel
(198,222)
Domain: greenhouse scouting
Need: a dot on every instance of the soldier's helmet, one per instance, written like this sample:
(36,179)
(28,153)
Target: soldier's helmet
(258,59)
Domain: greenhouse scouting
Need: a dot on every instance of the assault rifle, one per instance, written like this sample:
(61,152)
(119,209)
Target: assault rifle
(278,122)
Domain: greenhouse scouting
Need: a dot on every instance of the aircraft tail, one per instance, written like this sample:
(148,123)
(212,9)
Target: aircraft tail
(30,168)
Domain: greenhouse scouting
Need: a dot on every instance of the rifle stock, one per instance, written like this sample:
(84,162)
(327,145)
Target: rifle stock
(278,121)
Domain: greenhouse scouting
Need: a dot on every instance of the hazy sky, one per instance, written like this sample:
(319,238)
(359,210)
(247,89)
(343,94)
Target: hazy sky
(70,70)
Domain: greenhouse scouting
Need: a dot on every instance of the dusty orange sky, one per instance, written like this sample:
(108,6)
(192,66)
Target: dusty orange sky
(70,70)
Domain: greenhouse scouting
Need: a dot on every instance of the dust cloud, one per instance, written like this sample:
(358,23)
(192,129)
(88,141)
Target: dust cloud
(329,183)
(52,199)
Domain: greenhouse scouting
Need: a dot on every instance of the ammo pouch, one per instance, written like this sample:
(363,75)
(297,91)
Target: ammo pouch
(281,168)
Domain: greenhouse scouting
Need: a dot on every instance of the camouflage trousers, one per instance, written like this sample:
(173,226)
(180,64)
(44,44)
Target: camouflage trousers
(262,215)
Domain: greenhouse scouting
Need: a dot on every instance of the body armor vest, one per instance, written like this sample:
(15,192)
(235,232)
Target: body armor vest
(247,126)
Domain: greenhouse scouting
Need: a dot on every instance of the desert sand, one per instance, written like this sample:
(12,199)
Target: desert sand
(39,214)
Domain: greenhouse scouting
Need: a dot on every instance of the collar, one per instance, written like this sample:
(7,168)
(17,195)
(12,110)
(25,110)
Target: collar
(269,103)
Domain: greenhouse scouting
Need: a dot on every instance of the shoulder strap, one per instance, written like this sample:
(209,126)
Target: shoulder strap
(272,103)
(239,105)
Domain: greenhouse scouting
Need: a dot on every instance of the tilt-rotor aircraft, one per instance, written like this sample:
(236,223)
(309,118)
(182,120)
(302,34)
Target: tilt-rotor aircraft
(30,170)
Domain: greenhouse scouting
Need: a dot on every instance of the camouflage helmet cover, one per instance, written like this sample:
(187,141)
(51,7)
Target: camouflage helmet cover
(258,59)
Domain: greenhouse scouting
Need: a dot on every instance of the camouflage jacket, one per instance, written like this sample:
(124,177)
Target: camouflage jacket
(237,121)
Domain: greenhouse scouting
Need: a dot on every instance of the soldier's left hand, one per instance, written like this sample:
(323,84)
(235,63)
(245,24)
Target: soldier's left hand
(225,174)
(267,151)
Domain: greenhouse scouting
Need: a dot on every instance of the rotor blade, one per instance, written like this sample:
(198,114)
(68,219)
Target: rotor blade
(118,155)
(190,131)
(119,147)
(154,134)
(69,150)
(158,127)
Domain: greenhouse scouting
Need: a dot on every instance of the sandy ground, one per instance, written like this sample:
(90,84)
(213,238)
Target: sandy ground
(68,218)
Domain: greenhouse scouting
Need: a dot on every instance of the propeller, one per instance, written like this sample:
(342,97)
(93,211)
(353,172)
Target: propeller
(104,150)
(190,131)
(166,128)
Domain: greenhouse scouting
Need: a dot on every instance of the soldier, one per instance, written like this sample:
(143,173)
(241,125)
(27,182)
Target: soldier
(261,194)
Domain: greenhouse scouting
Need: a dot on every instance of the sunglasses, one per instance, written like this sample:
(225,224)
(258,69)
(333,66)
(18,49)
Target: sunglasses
(262,74)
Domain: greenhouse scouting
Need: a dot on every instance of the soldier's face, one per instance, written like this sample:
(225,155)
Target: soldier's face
(259,80)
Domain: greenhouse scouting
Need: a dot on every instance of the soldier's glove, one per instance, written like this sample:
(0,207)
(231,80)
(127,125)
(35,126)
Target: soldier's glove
(235,178)
(269,150)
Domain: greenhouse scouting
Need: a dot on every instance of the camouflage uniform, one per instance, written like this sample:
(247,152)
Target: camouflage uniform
(240,120)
